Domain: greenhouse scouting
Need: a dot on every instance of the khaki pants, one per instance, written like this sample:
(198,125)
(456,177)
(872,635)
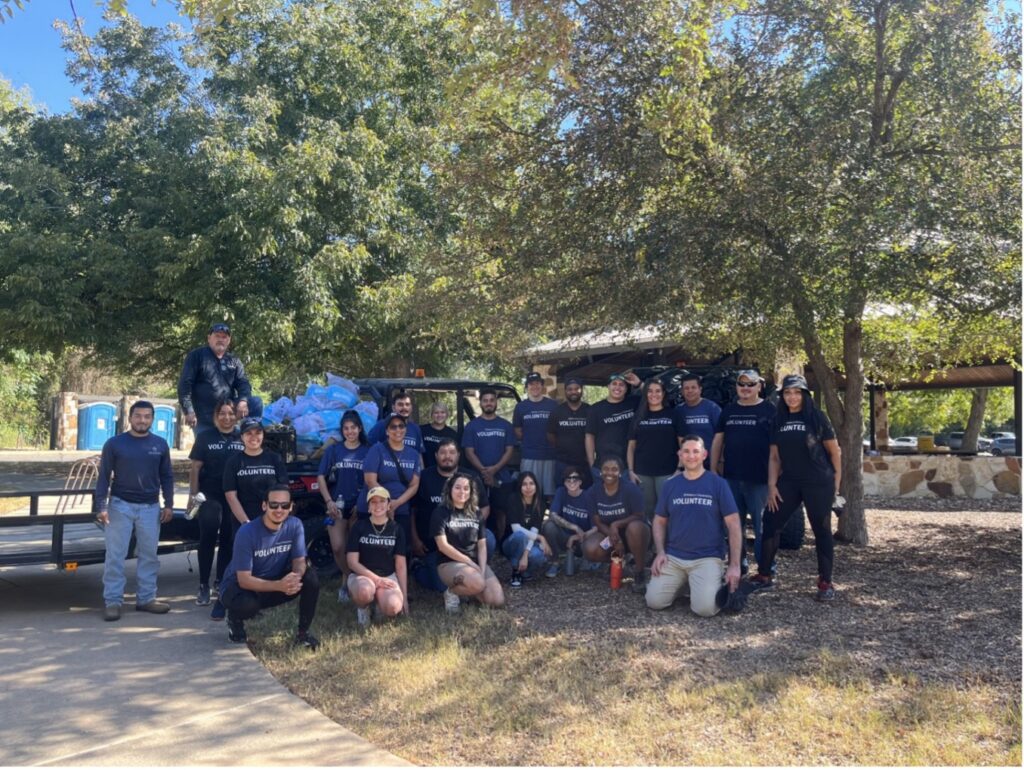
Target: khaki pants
(703,575)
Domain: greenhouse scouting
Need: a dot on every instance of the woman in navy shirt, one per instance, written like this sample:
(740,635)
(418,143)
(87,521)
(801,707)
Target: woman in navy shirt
(396,467)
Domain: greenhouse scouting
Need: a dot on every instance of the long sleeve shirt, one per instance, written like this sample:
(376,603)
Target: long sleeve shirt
(141,468)
(205,379)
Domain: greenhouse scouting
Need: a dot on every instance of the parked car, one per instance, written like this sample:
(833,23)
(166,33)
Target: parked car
(1004,445)
(956,441)
(1002,434)
(903,444)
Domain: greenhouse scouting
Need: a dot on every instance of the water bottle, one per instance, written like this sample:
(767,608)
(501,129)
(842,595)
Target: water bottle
(570,562)
(197,503)
(616,573)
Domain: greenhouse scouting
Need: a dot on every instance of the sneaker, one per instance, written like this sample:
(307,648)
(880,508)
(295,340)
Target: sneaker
(761,583)
(517,579)
(552,570)
(452,605)
(218,612)
(343,595)
(155,607)
(112,612)
(826,592)
(591,566)
(216,586)
(236,632)
(363,616)
(307,640)
(639,582)
(203,595)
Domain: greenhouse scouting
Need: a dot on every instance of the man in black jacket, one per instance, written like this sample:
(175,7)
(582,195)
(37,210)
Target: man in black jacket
(210,374)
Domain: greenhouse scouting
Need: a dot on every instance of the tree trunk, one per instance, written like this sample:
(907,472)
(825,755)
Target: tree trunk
(979,397)
(853,525)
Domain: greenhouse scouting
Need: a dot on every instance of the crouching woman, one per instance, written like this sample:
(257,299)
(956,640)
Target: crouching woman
(376,557)
(458,529)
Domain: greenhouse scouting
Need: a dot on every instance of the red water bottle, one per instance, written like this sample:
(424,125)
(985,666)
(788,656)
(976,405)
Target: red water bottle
(616,573)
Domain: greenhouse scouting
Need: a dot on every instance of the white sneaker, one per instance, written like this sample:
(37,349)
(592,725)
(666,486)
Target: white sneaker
(452,605)
(343,597)
(363,616)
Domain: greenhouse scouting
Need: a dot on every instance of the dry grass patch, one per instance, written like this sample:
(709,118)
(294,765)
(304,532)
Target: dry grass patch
(912,666)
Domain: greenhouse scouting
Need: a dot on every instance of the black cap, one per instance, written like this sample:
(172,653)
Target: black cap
(574,381)
(730,602)
(533,377)
(220,327)
(794,381)
(395,415)
(250,423)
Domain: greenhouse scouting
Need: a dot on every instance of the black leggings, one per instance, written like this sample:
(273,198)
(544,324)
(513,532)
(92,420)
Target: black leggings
(817,500)
(215,531)
(242,604)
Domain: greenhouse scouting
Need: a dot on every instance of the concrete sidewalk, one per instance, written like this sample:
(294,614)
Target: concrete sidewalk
(147,690)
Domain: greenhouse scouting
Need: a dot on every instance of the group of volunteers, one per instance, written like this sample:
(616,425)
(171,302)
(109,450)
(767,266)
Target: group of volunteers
(631,477)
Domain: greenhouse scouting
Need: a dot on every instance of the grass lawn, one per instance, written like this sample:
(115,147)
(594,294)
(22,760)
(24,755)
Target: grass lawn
(918,662)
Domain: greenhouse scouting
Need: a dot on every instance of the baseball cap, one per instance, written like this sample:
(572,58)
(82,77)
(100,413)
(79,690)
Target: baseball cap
(249,423)
(220,327)
(380,492)
(617,376)
(730,602)
(574,381)
(750,374)
(533,377)
(394,416)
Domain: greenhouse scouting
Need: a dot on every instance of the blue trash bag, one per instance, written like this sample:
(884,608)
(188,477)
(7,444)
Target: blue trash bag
(340,398)
(331,418)
(351,387)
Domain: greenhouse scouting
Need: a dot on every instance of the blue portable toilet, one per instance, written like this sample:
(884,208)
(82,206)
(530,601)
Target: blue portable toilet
(165,420)
(96,423)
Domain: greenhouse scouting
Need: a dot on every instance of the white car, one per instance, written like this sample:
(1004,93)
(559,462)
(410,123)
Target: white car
(903,444)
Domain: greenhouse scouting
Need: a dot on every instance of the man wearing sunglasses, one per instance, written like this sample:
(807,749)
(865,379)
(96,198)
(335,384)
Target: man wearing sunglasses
(268,567)
(740,450)
(211,374)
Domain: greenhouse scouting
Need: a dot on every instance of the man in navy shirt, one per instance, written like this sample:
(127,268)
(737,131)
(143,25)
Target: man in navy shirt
(740,450)
(141,466)
(402,405)
(688,535)
(268,568)
(530,420)
(489,441)
(696,415)
(211,374)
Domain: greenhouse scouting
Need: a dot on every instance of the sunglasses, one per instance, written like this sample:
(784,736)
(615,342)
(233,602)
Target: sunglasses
(746,384)
(397,426)
(574,478)
(279,506)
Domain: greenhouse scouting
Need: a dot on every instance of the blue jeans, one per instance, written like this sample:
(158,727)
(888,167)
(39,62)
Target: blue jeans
(144,518)
(425,570)
(513,548)
(750,499)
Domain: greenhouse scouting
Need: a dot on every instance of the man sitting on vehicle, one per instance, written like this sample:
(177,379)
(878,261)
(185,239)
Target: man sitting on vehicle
(211,374)
(268,568)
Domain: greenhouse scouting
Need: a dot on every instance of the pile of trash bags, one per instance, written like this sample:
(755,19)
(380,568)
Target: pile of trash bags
(316,415)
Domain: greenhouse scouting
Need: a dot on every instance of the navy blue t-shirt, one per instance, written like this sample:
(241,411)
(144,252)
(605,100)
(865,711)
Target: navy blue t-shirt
(266,553)
(700,420)
(213,449)
(532,418)
(413,437)
(747,431)
(801,453)
(575,510)
(346,465)
(656,444)
(489,438)
(628,500)
(378,460)
(695,510)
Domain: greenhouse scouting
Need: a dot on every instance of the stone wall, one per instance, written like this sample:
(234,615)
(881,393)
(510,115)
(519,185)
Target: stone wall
(912,475)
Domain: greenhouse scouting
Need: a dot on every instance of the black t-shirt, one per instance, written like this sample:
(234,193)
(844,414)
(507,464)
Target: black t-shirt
(746,431)
(213,449)
(610,425)
(377,549)
(251,477)
(517,514)
(802,455)
(656,444)
(463,531)
(569,429)
(429,496)
(431,438)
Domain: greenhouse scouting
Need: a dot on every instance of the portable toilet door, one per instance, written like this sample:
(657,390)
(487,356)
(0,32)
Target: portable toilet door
(164,422)
(97,422)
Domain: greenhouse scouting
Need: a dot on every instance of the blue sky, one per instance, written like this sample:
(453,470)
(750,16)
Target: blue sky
(30,52)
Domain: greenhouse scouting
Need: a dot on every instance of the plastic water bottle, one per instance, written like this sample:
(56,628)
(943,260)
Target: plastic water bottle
(197,503)
(616,573)
(570,561)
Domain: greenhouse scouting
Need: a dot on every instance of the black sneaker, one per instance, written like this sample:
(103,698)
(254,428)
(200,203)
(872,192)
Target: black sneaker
(203,595)
(517,579)
(307,640)
(236,631)
(639,583)
(826,592)
(761,583)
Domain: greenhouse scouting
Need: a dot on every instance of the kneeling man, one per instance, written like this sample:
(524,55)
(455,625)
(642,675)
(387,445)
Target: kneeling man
(268,567)
(688,535)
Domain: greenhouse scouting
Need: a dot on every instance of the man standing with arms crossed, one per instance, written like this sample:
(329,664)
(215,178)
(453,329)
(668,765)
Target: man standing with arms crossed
(140,464)
(688,535)
(211,374)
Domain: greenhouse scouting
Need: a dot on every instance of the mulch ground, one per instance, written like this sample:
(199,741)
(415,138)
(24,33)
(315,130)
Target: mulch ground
(936,596)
